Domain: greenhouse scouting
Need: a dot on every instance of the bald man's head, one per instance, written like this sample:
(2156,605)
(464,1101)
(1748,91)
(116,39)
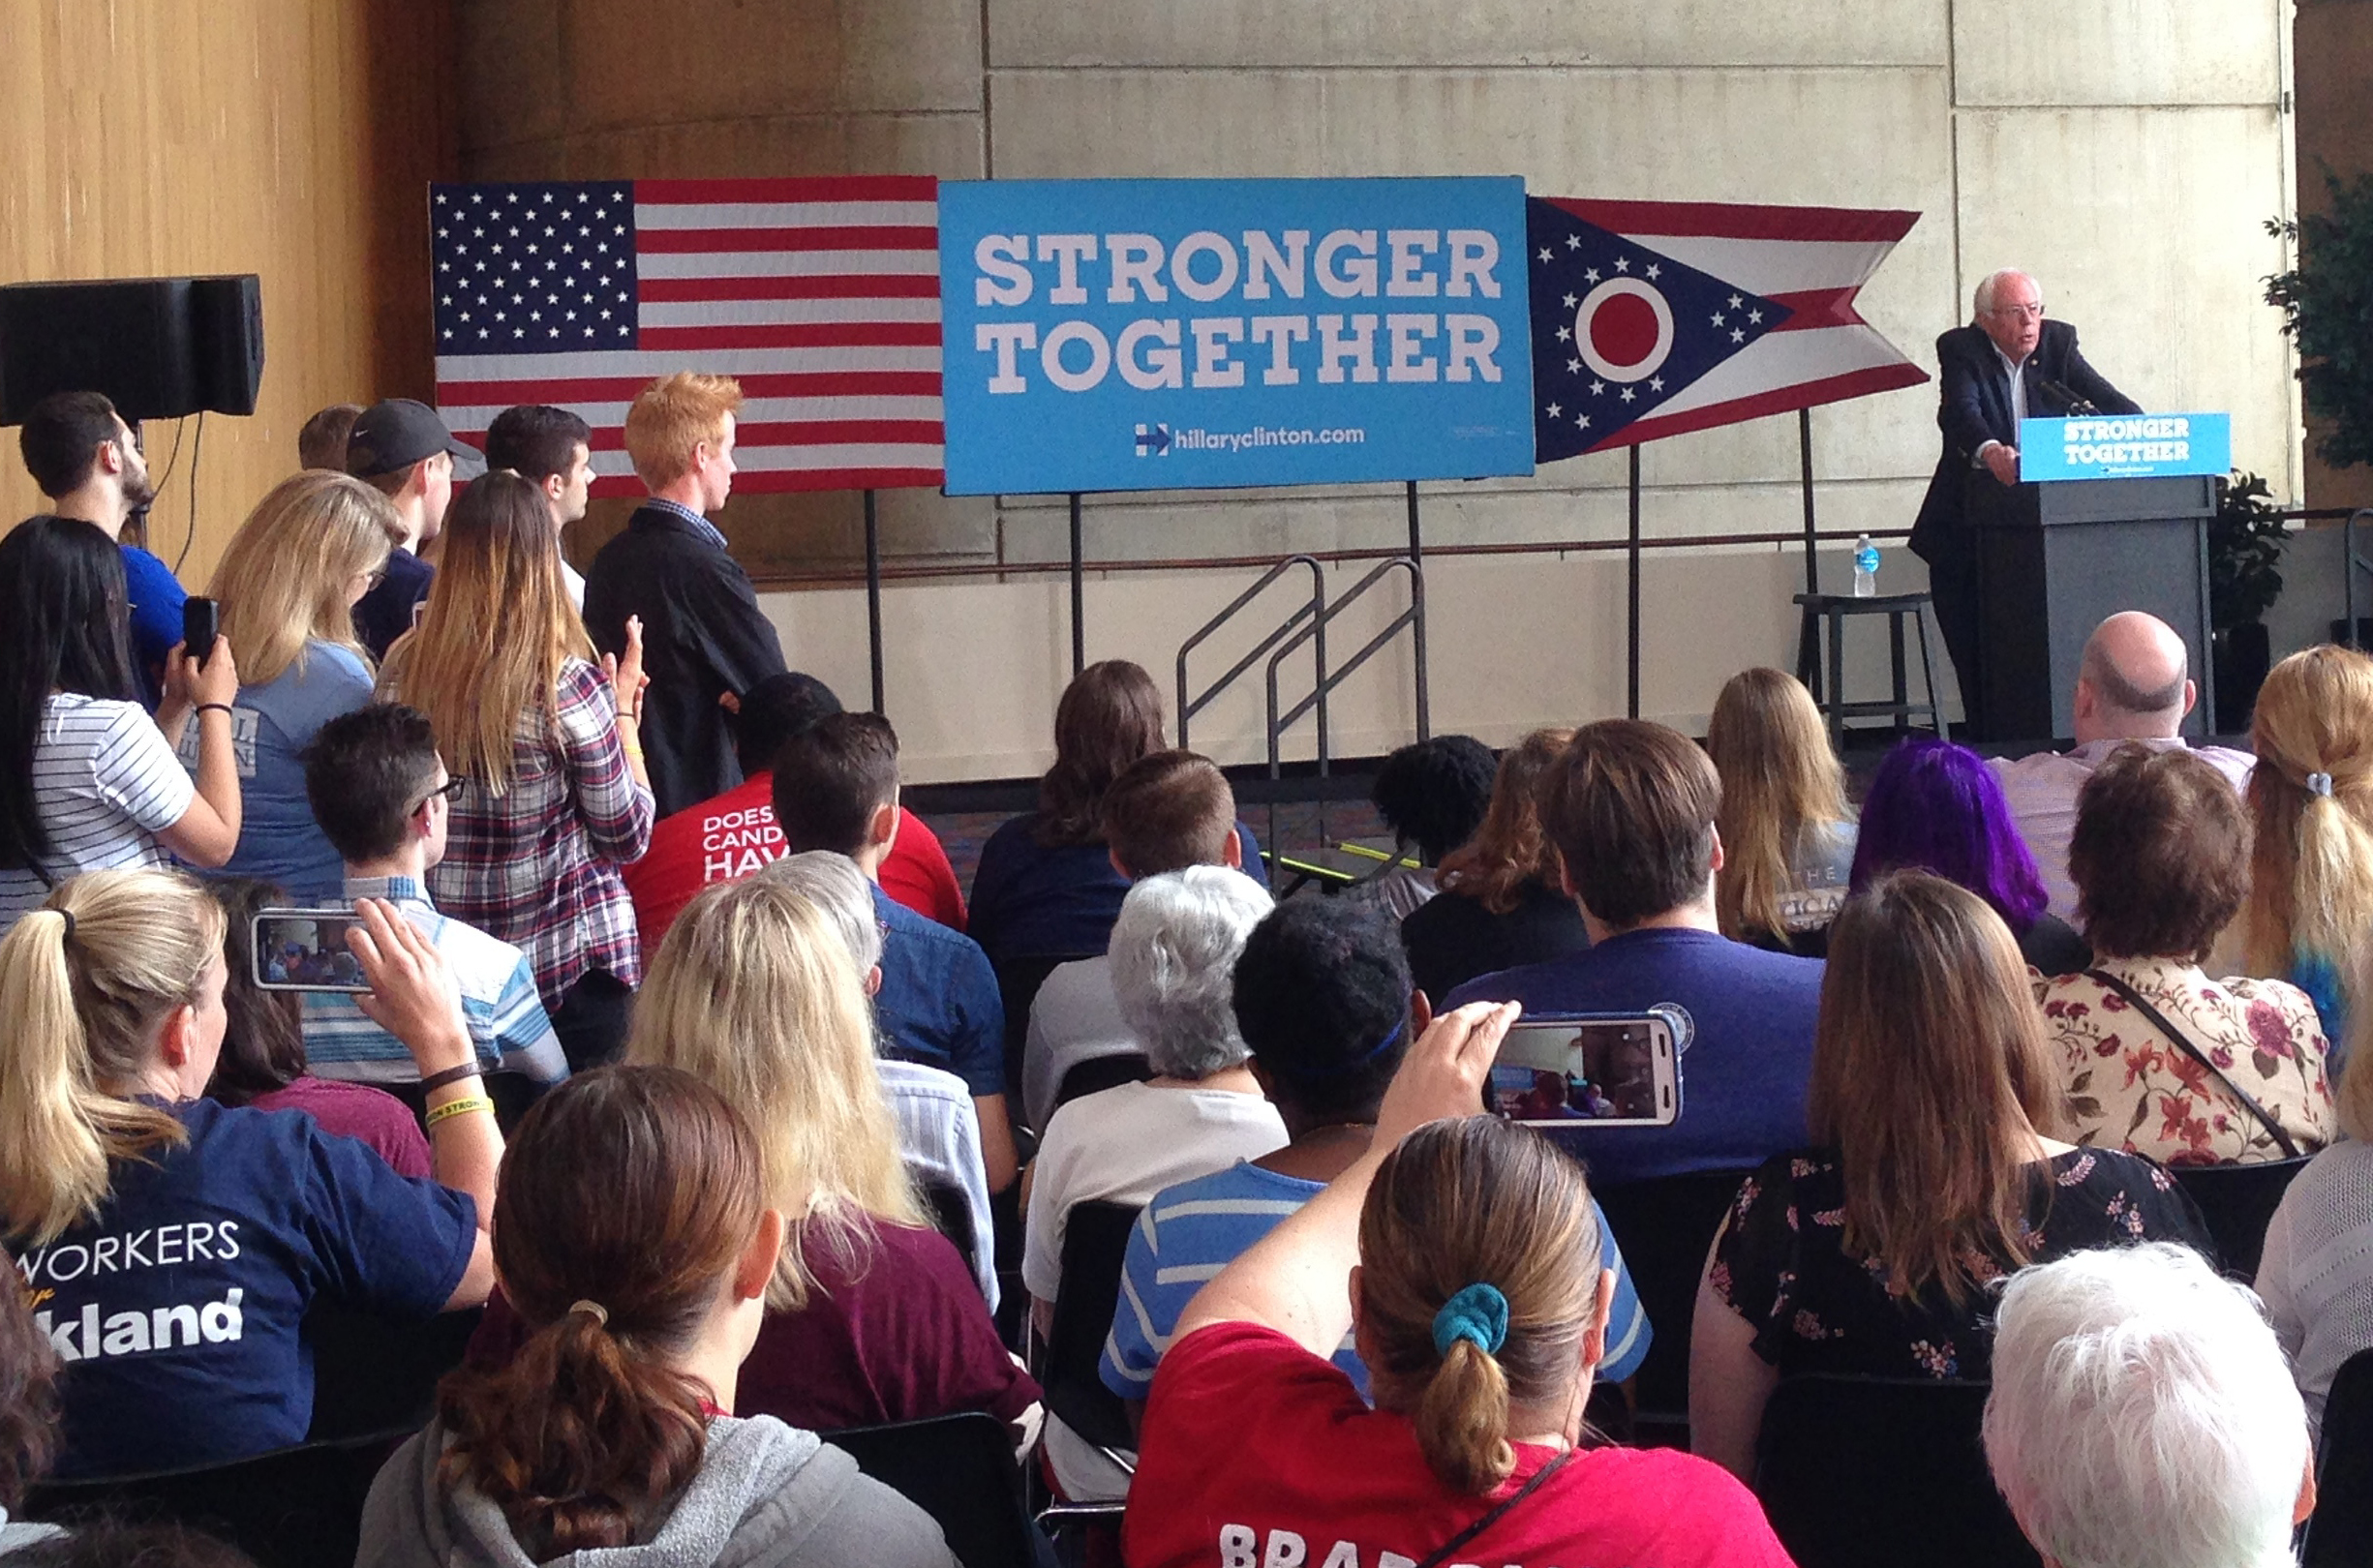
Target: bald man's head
(2135,680)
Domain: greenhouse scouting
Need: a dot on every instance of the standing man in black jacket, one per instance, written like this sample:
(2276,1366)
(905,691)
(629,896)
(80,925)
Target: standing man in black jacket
(2010,364)
(703,639)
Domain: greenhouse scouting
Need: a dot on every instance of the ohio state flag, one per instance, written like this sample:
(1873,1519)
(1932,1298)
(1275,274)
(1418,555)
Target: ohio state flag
(1654,317)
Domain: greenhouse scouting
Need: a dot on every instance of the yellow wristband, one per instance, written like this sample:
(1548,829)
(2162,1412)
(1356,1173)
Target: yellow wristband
(460,1107)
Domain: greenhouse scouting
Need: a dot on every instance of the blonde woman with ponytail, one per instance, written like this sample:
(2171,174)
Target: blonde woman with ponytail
(2311,798)
(1474,1296)
(871,1316)
(170,1245)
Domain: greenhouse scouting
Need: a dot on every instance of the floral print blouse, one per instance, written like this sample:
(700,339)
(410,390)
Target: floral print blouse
(1783,1263)
(2130,1087)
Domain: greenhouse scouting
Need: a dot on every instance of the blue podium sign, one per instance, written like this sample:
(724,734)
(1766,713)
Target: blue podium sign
(2124,446)
(1201,334)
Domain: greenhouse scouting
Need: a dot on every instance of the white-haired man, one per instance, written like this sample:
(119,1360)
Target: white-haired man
(2141,1412)
(2007,364)
(2133,683)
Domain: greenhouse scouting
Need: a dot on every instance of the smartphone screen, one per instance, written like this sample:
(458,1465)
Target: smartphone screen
(1621,1071)
(304,950)
(202,621)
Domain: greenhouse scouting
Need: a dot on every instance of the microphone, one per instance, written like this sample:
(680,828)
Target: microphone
(2069,402)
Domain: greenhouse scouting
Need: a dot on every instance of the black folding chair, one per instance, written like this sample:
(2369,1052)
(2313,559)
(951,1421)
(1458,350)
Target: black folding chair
(2238,1202)
(1865,1472)
(292,1508)
(1017,983)
(2340,1531)
(961,1470)
(1664,1225)
(951,1217)
(1095,1246)
(1100,1072)
(374,1375)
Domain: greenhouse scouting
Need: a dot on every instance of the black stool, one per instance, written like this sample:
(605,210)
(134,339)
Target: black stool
(1836,607)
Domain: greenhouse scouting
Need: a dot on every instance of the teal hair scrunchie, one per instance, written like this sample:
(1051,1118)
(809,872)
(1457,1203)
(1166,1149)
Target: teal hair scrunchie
(1477,1314)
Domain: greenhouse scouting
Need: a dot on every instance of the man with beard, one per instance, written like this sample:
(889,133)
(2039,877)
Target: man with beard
(88,462)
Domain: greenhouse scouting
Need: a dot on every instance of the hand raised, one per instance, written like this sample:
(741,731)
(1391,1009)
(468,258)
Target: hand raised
(414,995)
(1444,1074)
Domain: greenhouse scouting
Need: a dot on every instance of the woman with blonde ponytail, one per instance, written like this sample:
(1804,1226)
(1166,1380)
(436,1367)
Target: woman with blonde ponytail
(171,1245)
(2311,798)
(1477,1300)
(612,1432)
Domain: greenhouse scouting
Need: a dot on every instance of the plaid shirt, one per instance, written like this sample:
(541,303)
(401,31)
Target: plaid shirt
(700,525)
(538,864)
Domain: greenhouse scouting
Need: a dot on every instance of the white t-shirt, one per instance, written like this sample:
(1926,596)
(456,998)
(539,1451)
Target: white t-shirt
(106,781)
(2316,1276)
(1074,1018)
(1125,1144)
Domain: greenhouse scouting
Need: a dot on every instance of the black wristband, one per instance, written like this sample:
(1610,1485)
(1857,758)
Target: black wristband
(455,1074)
(214,708)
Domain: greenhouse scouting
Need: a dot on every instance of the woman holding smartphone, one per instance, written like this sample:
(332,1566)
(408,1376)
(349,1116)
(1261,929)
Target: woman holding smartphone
(87,779)
(286,587)
(172,1245)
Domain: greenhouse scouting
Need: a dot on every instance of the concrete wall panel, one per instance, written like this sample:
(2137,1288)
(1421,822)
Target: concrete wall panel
(1517,33)
(2046,53)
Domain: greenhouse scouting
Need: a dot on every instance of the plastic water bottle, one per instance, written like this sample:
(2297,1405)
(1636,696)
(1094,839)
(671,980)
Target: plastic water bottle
(1866,568)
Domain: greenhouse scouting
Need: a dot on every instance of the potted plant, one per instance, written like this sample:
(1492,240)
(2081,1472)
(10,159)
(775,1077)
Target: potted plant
(2245,540)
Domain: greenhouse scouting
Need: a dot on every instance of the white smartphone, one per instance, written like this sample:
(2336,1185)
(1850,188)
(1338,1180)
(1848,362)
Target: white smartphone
(1599,1070)
(304,950)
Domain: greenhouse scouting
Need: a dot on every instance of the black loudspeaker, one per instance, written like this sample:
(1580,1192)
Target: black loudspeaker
(159,348)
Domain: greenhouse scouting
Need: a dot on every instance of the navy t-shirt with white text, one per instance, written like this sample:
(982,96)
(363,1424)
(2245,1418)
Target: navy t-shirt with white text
(177,1310)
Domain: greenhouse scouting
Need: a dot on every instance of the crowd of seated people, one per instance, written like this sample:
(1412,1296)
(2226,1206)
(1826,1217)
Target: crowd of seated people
(720,1147)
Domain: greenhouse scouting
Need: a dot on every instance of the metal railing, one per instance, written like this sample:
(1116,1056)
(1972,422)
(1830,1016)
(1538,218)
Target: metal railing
(2350,566)
(1278,723)
(1310,609)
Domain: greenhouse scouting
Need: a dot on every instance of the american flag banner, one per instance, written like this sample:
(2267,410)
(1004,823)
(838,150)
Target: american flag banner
(820,296)
(1651,318)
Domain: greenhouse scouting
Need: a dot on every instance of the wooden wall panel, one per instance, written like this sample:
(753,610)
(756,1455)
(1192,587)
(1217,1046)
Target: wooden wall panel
(292,138)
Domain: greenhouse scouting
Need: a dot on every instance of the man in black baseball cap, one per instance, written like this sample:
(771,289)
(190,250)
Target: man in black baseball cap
(405,450)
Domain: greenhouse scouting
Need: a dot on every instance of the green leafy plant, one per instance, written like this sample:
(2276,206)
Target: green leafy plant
(2326,305)
(2245,542)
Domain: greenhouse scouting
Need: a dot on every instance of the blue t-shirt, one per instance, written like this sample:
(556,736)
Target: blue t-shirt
(1029,901)
(1191,1231)
(1743,1078)
(156,598)
(939,1003)
(177,1310)
(270,724)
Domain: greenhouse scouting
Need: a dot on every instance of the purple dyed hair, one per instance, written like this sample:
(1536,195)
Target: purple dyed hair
(1938,806)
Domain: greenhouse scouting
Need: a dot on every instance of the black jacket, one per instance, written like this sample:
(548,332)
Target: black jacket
(703,635)
(1975,407)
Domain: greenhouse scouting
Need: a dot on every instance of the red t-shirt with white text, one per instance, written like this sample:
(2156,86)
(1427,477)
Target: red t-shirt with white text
(727,839)
(1257,1454)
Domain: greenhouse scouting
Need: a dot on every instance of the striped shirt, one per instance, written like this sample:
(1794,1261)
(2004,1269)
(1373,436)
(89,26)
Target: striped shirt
(500,1004)
(1191,1231)
(538,865)
(105,782)
(939,1135)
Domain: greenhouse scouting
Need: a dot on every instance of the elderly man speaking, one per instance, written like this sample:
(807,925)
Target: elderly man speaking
(2010,364)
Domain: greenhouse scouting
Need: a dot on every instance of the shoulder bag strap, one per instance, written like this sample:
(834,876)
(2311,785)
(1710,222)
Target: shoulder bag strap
(1456,1543)
(2182,1041)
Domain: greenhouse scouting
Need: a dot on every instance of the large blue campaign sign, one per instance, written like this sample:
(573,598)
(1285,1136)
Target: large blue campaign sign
(1190,334)
(2124,446)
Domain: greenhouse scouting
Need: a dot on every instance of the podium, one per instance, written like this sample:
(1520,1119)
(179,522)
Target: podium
(2058,556)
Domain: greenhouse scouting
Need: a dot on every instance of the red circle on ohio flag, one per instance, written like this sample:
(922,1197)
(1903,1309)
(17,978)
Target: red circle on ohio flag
(1623,329)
